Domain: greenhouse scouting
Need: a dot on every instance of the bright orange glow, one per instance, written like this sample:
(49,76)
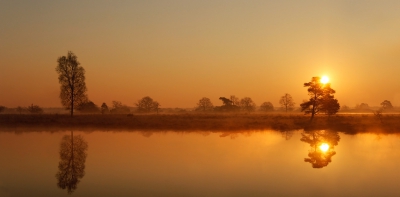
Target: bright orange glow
(324,147)
(178,57)
(324,79)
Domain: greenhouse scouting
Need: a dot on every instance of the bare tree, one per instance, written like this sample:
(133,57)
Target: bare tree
(320,94)
(247,104)
(378,114)
(205,104)
(21,110)
(287,102)
(71,77)
(35,109)
(266,106)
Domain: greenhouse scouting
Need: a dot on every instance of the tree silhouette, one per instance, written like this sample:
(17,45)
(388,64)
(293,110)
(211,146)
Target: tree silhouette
(266,106)
(386,105)
(316,156)
(287,102)
(20,109)
(88,107)
(344,108)
(362,106)
(2,108)
(321,98)
(330,105)
(71,168)
(225,101)
(247,104)
(205,104)
(156,106)
(147,104)
(71,77)
(228,105)
(35,109)
(235,100)
(119,108)
(104,108)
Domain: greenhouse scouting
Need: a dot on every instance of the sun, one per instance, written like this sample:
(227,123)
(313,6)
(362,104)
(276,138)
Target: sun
(324,147)
(324,79)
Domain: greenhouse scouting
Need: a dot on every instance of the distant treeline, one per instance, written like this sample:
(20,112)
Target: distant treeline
(204,105)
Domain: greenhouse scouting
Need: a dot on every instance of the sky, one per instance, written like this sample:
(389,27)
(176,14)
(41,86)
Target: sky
(179,51)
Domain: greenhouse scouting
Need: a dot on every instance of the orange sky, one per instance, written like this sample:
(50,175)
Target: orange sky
(180,51)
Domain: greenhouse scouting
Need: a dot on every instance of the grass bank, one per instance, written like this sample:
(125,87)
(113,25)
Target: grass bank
(350,124)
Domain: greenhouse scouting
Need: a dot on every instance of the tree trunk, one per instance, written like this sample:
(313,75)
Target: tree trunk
(312,115)
(72,102)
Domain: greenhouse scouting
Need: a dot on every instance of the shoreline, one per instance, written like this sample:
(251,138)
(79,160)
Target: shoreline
(351,124)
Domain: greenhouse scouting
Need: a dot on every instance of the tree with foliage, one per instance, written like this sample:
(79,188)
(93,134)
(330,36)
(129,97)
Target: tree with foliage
(235,100)
(156,106)
(119,108)
(362,106)
(205,104)
(88,107)
(104,108)
(287,102)
(71,168)
(247,104)
(317,157)
(147,104)
(35,109)
(266,107)
(386,105)
(71,77)
(225,101)
(321,98)
(2,108)
(344,108)
(227,105)
(330,105)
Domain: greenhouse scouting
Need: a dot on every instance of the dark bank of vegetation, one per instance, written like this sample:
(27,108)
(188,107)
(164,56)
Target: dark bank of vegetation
(350,124)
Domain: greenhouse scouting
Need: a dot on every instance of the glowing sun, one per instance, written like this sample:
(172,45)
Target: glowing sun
(324,79)
(324,147)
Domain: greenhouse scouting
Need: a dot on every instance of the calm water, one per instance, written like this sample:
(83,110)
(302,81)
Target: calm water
(268,163)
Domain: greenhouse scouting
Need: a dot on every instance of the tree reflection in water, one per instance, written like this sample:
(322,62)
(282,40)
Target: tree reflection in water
(71,167)
(322,143)
(287,134)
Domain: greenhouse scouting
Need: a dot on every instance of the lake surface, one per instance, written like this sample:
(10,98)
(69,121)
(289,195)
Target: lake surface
(251,163)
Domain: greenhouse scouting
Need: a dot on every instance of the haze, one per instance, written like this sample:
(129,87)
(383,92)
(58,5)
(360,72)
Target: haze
(180,51)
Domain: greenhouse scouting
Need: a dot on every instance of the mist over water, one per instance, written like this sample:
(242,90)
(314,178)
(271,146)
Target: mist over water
(203,163)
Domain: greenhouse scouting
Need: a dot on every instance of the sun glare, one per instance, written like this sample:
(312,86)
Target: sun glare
(324,147)
(324,79)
